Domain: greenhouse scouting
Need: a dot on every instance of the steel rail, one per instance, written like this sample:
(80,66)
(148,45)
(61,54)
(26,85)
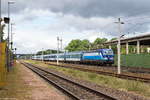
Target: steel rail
(74,96)
(123,76)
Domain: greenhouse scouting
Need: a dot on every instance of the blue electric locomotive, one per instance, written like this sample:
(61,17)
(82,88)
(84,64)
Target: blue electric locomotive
(100,56)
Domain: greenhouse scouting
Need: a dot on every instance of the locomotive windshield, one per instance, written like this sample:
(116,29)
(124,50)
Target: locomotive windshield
(107,52)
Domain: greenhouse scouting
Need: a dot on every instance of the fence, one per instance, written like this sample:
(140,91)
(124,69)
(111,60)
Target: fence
(135,60)
(3,69)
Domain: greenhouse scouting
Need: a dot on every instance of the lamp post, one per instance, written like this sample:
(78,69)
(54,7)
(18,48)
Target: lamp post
(11,40)
(0,8)
(9,3)
(15,53)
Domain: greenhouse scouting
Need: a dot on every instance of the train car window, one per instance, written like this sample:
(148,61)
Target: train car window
(66,56)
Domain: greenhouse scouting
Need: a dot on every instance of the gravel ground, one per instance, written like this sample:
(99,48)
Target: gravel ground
(76,89)
(28,86)
(121,95)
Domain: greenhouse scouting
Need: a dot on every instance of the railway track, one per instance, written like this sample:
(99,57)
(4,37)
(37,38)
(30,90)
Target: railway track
(75,90)
(114,74)
(137,70)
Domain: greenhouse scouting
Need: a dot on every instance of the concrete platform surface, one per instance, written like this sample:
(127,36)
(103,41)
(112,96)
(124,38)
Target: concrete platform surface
(23,84)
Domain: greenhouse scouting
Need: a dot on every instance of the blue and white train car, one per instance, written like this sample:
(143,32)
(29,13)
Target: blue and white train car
(46,57)
(38,57)
(61,56)
(73,56)
(50,57)
(33,58)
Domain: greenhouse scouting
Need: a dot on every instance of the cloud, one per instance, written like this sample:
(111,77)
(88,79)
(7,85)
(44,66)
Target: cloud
(86,8)
(39,22)
(35,34)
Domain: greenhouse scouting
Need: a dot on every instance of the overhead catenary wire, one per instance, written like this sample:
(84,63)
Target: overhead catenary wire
(127,21)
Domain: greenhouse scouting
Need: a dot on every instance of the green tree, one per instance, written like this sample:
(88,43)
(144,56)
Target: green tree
(113,39)
(49,51)
(74,45)
(114,47)
(78,45)
(85,44)
(98,43)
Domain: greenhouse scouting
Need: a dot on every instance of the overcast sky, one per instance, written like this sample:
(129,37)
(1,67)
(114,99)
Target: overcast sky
(39,22)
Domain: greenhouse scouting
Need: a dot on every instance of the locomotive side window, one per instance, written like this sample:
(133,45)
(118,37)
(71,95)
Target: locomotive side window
(107,52)
(91,54)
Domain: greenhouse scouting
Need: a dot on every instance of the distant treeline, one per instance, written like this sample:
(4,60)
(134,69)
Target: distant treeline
(49,51)
(85,45)
(80,45)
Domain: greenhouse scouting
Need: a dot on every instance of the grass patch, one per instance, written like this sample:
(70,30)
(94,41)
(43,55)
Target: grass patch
(33,62)
(112,82)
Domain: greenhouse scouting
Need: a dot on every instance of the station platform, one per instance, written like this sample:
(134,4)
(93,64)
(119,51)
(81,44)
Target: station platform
(23,84)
